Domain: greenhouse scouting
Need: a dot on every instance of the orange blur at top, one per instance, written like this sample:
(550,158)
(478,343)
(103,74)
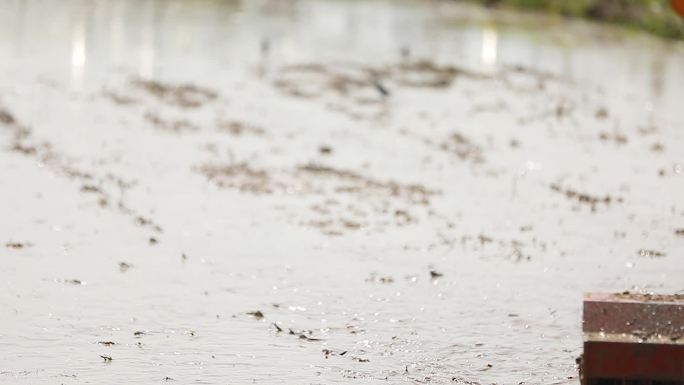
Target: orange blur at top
(678,6)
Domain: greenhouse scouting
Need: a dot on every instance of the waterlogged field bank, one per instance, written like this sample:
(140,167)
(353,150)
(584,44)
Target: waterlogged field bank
(325,191)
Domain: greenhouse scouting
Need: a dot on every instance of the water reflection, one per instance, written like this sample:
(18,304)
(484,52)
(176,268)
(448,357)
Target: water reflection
(147,52)
(489,46)
(658,72)
(187,39)
(78,54)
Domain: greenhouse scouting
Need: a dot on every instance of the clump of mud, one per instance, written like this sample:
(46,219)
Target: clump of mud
(6,117)
(463,147)
(455,143)
(616,138)
(180,95)
(237,128)
(349,79)
(240,177)
(593,201)
(428,74)
(350,182)
(93,183)
(361,91)
(169,125)
(120,99)
(347,200)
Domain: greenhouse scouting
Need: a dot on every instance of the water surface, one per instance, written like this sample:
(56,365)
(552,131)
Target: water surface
(412,191)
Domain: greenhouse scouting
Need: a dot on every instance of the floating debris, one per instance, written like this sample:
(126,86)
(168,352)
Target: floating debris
(385,280)
(106,358)
(123,266)
(403,217)
(613,137)
(384,92)
(256,314)
(328,353)
(303,335)
(18,245)
(651,253)
(146,222)
(484,239)
(106,343)
(601,113)
(434,274)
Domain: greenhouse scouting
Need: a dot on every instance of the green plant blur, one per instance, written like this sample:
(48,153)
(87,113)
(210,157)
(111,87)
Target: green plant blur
(654,16)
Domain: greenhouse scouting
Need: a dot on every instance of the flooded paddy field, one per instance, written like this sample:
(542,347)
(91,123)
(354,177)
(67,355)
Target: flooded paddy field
(331,191)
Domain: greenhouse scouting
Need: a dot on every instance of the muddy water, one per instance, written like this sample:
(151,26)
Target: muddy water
(324,191)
